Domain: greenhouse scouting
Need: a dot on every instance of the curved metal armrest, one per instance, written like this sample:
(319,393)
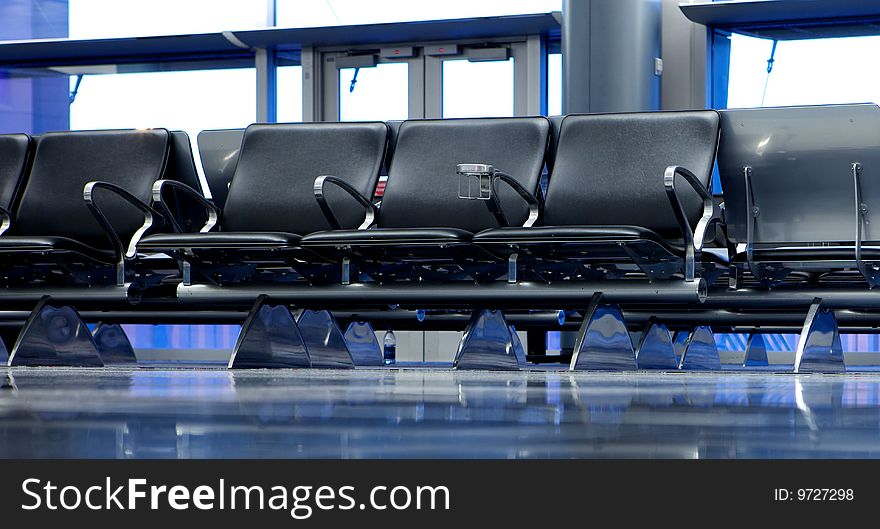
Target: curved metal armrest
(5,220)
(532,200)
(693,239)
(369,207)
(211,209)
(151,217)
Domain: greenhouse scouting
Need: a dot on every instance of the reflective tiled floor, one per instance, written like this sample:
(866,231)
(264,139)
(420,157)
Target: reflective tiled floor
(391,413)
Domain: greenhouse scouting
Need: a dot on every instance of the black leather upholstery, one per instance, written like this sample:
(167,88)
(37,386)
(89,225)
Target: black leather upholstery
(219,151)
(272,189)
(556,122)
(189,214)
(39,244)
(422,188)
(571,234)
(52,203)
(15,156)
(393,130)
(609,168)
(386,236)
(219,240)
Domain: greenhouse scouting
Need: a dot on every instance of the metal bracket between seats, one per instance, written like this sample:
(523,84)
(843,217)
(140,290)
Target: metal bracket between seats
(819,349)
(269,338)
(655,349)
(324,340)
(55,336)
(871,272)
(114,345)
(700,352)
(489,343)
(756,352)
(752,213)
(363,344)
(603,342)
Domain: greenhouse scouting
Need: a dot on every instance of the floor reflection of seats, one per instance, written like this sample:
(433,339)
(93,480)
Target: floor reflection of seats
(148,413)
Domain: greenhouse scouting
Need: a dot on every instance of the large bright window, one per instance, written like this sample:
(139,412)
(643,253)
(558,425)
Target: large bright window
(126,18)
(374,94)
(477,89)
(187,100)
(805,72)
(312,13)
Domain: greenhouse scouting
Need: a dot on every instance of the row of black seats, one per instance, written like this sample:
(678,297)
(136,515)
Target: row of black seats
(465,221)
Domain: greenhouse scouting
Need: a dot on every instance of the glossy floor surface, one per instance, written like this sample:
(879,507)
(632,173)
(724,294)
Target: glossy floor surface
(434,413)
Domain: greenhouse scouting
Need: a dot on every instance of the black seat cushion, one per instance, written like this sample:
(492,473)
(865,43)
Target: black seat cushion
(422,189)
(386,237)
(608,169)
(52,203)
(219,240)
(555,235)
(273,185)
(38,244)
(15,153)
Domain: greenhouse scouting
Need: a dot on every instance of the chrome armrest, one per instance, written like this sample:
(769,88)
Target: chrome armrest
(151,218)
(5,220)
(213,212)
(693,239)
(487,178)
(369,207)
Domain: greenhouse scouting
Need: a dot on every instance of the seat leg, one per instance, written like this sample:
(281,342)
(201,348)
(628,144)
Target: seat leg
(488,343)
(655,349)
(55,336)
(756,352)
(679,341)
(603,342)
(4,353)
(113,345)
(269,338)
(324,340)
(363,345)
(700,352)
(819,349)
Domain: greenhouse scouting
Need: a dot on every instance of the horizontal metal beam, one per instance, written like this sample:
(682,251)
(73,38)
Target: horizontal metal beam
(60,52)
(524,295)
(792,298)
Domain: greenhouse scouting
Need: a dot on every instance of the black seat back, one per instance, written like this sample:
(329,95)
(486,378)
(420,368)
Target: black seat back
(273,186)
(802,181)
(52,202)
(422,188)
(16,151)
(219,150)
(182,168)
(609,168)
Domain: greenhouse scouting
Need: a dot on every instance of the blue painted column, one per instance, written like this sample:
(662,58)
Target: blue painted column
(33,101)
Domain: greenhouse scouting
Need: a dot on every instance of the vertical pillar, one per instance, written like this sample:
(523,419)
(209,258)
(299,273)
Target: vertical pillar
(609,52)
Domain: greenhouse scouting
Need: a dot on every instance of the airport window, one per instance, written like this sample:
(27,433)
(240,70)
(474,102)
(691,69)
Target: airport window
(126,18)
(377,93)
(289,94)
(314,13)
(181,100)
(804,72)
(554,84)
(475,89)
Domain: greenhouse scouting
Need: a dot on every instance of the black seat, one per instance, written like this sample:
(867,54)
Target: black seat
(800,188)
(219,151)
(422,219)
(16,152)
(53,223)
(612,200)
(271,201)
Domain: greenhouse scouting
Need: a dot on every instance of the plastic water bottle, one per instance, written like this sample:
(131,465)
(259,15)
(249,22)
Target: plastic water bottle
(389,348)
